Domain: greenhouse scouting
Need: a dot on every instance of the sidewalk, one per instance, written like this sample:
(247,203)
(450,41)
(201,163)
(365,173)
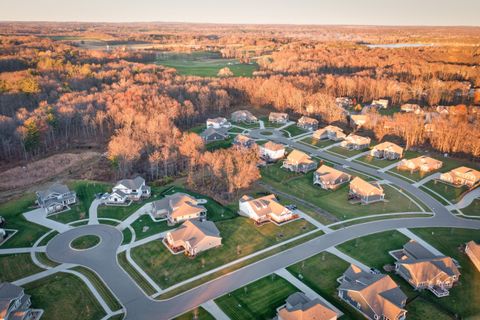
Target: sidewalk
(42,274)
(306,289)
(312,221)
(145,209)
(347,258)
(413,236)
(330,146)
(142,241)
(390,166)
(22,250)
(426,179)
(214,310)
(358,156)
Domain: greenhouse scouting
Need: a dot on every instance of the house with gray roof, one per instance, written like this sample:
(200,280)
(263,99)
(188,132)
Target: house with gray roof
(193,237)
(212,134)
(375,296)
(178,207)
(128,190)
(15,304)
(56,198)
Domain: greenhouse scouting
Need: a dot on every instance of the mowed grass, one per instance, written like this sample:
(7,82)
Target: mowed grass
(294,130)
(240,237)
(197,314)
(318,143)
(258,300)
(204,64)
(145,227)
(85,242)
(222,144)
(345,152)
(336,202)
(28,232)
(17,266)
(64,295)
(473,209)
(449,192)
(375,162)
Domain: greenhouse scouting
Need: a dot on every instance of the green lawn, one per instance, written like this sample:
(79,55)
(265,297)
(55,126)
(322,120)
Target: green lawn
(223,144)
(235,130)
(447,191)
(473,209)
(127,236)
(28,232)
(269,124)
(197,314)
(247,125)
(17,266)
(203,64)
(372,161)
(335,202)
(63,294)
(294,130)
(318,143)
(389,111)
(151,227)
(198,129)
(345,152)
(42,257)
(258,300)
(85,242)
(240,238)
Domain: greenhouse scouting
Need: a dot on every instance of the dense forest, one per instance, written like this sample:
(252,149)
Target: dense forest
(57,92)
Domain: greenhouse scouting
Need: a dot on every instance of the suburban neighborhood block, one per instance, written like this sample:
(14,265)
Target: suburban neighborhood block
(422,163)
(329,132)
(355,142)
(298,161)
(218,123)
(424,270)
(365,192)
(472,249)
(375,296)
(299,307)
(178,207)
(307,123)
(462,176)
(387,150)
(193,237)
(15,304)
(278,117)
(272,152)
(128,190)
(264,209)
(56,198)
(329,178)
(243,116)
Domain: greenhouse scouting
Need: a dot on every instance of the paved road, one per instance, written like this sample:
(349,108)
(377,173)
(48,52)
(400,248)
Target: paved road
(103,258)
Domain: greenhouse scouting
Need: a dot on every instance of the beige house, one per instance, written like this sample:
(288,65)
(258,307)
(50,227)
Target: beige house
(424,270)
(375,296)
(387,150)
(462,176)
(422,163)
(329,132)
(299,307)
(264,209)
(193,237)
(365,191)
(298,161)
(472,249)
(278,117)
(178,207)
(329,178)
(358,120)
(243,116)
(272,151)
(243,141)
(410,107)
(383,103)
(307,123)
(355,142)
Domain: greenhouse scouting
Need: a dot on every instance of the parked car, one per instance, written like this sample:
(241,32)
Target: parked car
(291,207)
(374,271)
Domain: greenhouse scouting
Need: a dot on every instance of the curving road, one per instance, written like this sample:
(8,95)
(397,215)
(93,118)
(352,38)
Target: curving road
(103,259)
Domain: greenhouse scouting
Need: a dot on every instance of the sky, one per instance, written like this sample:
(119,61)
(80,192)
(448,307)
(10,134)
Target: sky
(351,12)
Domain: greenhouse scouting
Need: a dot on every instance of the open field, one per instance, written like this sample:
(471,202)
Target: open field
(335,202)
(64,294)
(257,300)
(294,130)
(203,64)
(447,191)
(240,238)
(17,266)
(198,314)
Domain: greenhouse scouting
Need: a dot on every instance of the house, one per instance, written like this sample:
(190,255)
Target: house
(462,176)
(129,190)
(472,249)
(264,209)
(382,103)
(422,163)
(329,178)
(271,151)
(307,123)
(365,191)
(218,122)
(355,142)
(213,134)
(299,307)
(243,141)
(56,198)
(375,296)
(343,102)
(424,270)
(14,303)
(178,207)
(243,116)
(410,107)
(358,120)
(278,117)
(297,161)
(193,237)
(387,150)
(329,132)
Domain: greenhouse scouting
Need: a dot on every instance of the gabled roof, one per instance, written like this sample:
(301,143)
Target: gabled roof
(299,157)
(303,308)
(430,269)
(417,251)
(466,170)
(211,130)
(195,231)
(264,206)
(272,146)
(307,120)
(53,189)
(243,139)
(329,174)
(132,184)
(178,205)
(364,187)
(389,146)
(424,161)
(8,293)
(474,248)
(278,115)
(356,139)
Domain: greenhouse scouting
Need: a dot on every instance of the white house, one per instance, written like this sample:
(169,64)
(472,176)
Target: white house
(218,123)
(56,198)
(264,209)
(129,190)
(272,151)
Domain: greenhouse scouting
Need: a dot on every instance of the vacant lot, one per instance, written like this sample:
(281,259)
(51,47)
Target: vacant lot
(204,64)
(258,300)
(17,266)
(240,238)
(64,294)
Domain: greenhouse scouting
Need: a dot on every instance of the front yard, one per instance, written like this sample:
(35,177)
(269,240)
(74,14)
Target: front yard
(344,152)
(294,130)
(473,209)
(318,143)
(258,300)
(240,238)
(145,227)
(449,192)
